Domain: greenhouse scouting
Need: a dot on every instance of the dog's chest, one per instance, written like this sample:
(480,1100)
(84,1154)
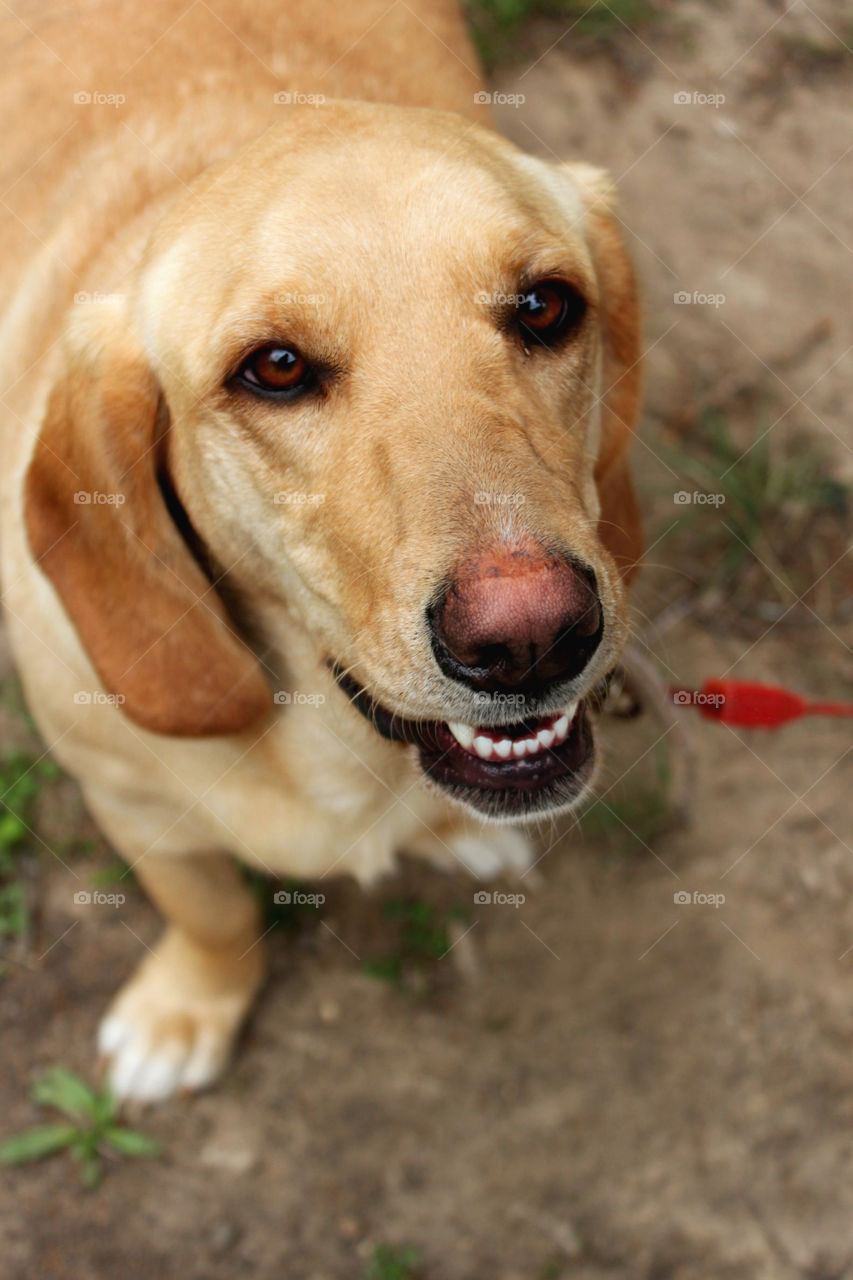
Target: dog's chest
(312,798)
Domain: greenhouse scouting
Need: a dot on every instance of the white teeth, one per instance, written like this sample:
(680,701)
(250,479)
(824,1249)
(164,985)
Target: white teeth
(463,733)
(487,748)
(561,726)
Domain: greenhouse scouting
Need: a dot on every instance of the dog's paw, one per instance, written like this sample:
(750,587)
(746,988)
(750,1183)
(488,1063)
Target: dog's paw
(153,1050)
(172,1028)
(493,851)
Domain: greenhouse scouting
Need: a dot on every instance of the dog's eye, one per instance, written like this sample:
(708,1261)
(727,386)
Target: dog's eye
(276,372)
(549,311)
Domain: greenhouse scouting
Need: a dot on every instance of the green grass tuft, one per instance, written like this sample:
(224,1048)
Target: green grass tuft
(393,1262)
(89,1131)
(782,513)
(21,779)
(422,938)
(496,25)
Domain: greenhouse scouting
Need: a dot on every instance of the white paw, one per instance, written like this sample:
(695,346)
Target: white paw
(168,1031)
(492,851)
(151,1056)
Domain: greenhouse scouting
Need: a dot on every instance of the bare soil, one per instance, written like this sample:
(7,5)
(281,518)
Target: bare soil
(601,1083)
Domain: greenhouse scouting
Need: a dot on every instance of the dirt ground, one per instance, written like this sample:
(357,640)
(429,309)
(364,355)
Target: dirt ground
(602,1083)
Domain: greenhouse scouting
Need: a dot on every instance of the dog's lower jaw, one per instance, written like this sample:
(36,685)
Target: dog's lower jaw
(536,768)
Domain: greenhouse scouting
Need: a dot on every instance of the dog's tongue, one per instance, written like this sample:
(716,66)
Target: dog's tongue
(513,742)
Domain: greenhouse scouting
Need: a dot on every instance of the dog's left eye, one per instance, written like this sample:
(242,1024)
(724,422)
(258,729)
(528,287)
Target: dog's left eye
(549,311)
(276,372)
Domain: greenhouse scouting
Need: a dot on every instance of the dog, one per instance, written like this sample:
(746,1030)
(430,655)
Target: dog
(317,518)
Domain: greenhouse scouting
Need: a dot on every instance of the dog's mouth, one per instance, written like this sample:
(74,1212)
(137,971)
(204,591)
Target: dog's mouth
(535,766)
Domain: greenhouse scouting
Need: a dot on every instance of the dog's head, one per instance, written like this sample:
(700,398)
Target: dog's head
(374,380)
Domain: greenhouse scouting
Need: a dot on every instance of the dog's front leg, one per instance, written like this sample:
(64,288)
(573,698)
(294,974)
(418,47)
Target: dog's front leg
(172,1026)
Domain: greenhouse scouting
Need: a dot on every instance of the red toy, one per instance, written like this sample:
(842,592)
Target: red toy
(754,706)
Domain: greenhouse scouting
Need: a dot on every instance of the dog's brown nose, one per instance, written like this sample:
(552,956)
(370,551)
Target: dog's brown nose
(517,619)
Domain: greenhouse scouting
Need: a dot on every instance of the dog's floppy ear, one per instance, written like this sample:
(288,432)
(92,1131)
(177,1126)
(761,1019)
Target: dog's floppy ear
(97,523)
(620,528)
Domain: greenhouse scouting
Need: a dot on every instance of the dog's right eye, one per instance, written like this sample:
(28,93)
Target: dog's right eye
(275,373)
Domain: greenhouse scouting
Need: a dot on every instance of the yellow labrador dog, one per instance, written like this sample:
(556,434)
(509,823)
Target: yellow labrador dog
(316,515)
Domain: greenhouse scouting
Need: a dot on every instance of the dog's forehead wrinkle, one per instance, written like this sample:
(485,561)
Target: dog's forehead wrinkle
(434,198)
